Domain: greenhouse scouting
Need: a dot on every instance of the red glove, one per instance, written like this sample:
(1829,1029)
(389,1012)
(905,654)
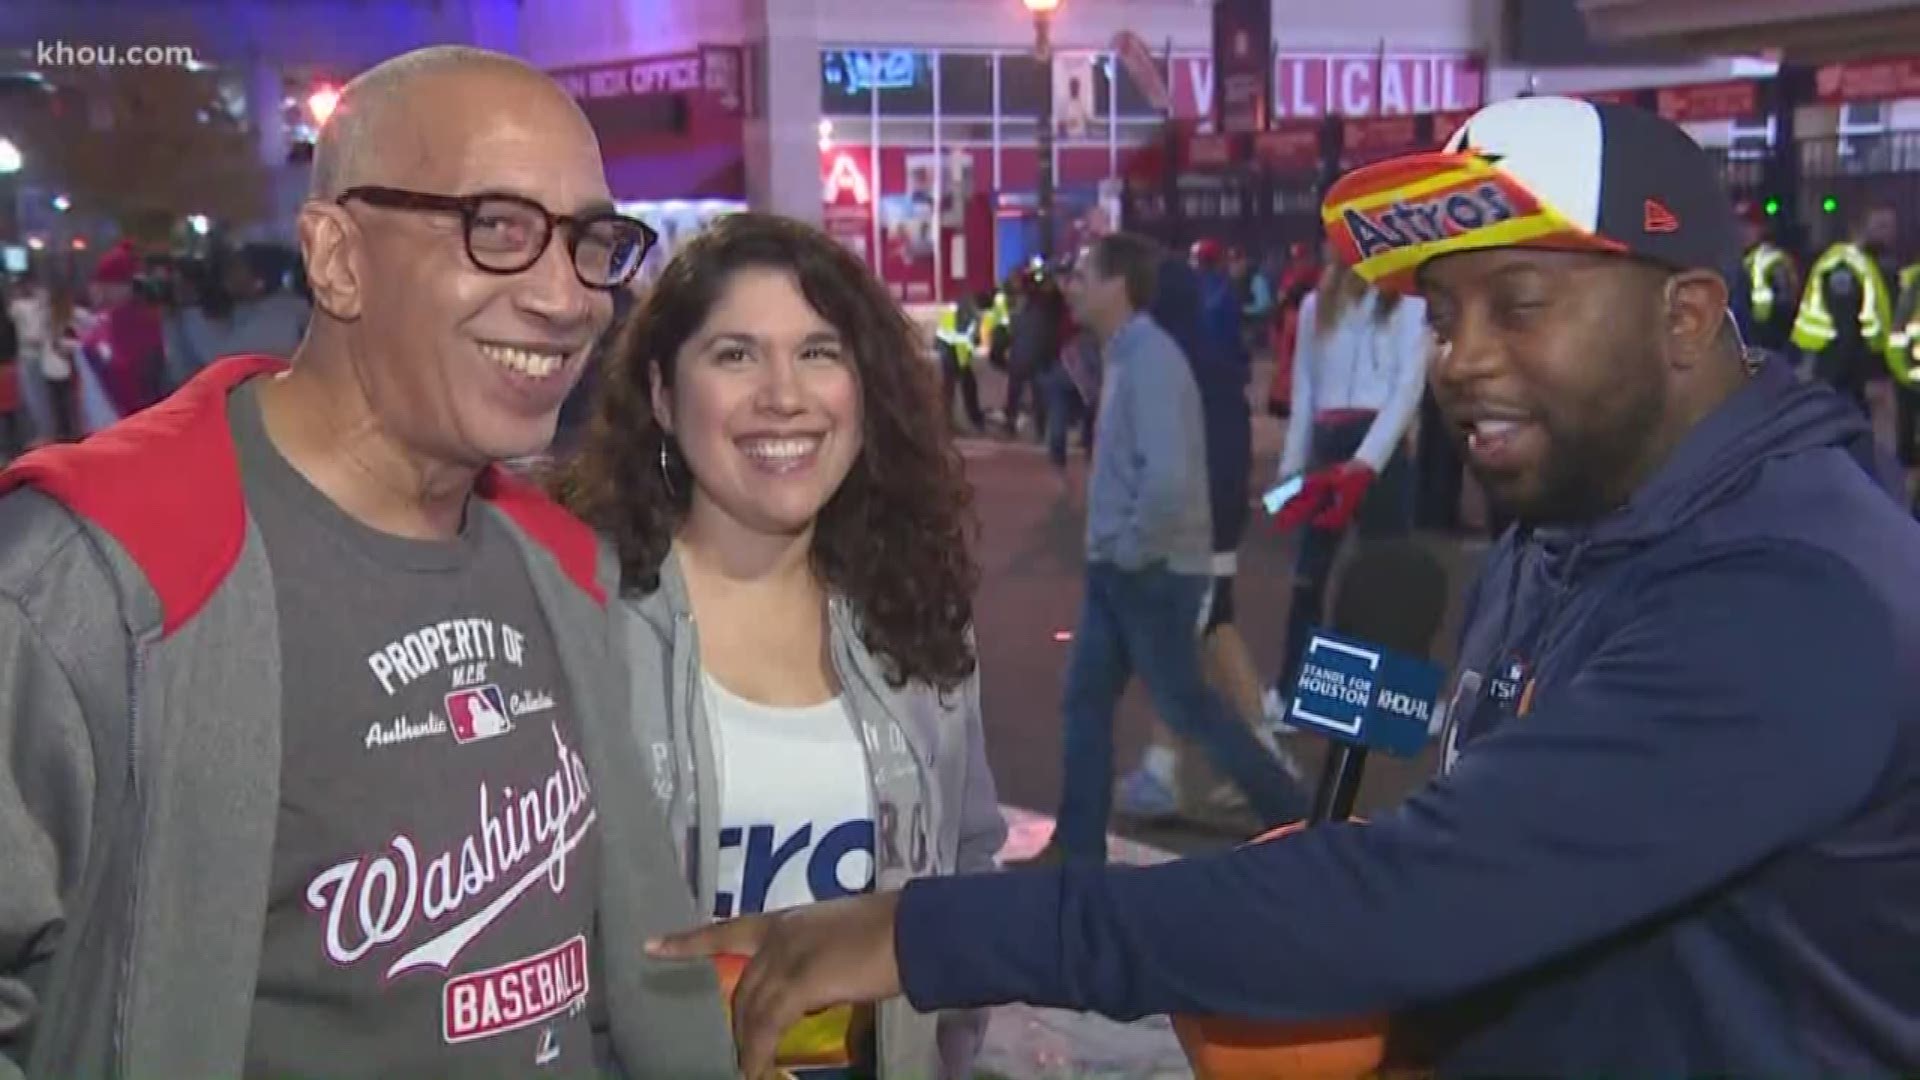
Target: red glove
(1349,482)
(1306,502)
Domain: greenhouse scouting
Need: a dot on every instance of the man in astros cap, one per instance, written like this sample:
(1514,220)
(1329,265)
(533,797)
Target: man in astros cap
(1678,832)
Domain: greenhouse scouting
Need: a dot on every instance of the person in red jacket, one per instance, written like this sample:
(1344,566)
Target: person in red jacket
(1299,278)
(123,346)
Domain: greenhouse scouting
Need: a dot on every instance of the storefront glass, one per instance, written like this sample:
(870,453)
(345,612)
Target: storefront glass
(930,158)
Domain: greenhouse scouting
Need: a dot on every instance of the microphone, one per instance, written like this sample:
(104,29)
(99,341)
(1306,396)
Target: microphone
(1367,683)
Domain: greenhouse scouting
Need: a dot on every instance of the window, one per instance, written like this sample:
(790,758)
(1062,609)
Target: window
(1863,117)
(1025,86)
(1133,101)
(903,78)
(1751,137)
(966,84)
(1863,137)
(842,91)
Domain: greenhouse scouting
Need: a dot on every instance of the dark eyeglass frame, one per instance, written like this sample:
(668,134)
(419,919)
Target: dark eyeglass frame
(468,207)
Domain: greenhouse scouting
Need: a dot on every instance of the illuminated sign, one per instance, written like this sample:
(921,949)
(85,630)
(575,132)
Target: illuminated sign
(858,72)
(636,78)
(844,178)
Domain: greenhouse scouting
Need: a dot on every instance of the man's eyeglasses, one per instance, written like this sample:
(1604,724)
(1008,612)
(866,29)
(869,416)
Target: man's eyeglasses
(506,234)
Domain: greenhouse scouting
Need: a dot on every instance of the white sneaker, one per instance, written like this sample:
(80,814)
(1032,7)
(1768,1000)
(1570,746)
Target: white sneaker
(1274,708)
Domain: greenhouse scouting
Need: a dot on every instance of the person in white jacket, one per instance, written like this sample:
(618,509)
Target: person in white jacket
(46,366)
(1359,363)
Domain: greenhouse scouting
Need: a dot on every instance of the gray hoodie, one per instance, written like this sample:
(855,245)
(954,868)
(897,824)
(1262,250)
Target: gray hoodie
(1147,501)
(938,810)
(140,760)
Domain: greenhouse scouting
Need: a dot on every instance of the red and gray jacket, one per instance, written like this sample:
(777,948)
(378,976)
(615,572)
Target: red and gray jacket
(140,758)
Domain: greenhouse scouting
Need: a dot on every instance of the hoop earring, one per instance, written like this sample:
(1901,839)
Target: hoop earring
(666,471)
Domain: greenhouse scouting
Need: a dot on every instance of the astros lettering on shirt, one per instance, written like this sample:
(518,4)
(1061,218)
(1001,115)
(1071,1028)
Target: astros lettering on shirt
(796,815)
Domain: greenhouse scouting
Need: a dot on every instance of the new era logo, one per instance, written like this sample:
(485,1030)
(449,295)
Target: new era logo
(1659,219)
(479,713)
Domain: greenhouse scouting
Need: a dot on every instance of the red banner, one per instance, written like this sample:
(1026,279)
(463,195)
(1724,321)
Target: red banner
(1380,137)
(1289,148)
(1868,80)
(1209,151)
(1728,100)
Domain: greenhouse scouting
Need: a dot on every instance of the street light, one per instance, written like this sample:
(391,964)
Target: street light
(10,159)
(1042,11)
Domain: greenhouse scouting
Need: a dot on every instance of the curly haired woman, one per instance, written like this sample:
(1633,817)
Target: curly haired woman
(793,526)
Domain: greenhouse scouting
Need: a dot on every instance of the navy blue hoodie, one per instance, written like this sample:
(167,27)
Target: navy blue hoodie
(1682,835)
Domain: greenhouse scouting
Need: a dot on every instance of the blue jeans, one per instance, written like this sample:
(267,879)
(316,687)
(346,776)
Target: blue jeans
(1146,621)
(1064,411)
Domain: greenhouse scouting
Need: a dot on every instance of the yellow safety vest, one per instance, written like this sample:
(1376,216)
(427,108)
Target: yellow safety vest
(992,319)
(1760,263)
(1813,328)
(949,334)
(1903,344)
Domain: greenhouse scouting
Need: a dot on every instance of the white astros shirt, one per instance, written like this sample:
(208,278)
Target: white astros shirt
(796,807)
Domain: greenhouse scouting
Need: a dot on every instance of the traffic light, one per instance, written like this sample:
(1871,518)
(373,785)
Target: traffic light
(1773,207)
(1831,205)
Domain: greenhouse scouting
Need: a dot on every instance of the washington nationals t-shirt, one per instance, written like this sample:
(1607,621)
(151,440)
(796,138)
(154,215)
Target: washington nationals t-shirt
(435,864)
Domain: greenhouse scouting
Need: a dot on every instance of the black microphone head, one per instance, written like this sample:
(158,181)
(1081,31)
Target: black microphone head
(1392,593)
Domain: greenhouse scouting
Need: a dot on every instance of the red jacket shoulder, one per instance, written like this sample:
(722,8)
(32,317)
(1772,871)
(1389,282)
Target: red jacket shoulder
(164,483)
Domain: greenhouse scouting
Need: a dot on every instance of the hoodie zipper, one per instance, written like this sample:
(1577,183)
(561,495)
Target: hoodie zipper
(681,747)
(138,815)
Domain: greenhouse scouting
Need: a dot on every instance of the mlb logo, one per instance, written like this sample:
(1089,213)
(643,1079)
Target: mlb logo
(479,713)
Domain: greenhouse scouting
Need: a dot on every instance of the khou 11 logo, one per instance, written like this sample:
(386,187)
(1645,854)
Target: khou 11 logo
(1365,695)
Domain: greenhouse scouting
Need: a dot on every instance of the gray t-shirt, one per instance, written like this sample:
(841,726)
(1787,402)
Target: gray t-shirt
(435,869)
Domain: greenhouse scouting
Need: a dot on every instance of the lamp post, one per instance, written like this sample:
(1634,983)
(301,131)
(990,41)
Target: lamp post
(1042,11)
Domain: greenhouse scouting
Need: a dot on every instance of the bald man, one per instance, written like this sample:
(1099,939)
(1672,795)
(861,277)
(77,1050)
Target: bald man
(311,758)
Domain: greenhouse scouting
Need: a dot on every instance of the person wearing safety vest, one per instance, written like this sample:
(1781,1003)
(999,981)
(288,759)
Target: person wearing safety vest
(956,338)
(1903,359)
(1846,312)
(995,314)
(1772,282)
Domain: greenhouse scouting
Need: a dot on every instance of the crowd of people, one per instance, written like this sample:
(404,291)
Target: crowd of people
(334,745)
(1851,320)
(73,361)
